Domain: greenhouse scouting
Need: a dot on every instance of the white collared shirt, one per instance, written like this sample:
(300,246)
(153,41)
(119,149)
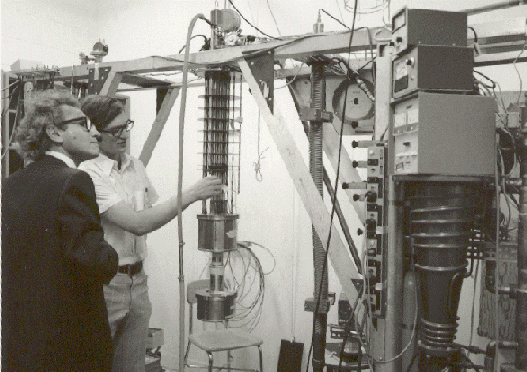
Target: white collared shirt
(65,158)
(130,184)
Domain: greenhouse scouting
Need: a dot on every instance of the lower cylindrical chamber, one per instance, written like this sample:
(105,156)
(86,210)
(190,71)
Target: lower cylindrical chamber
(441,226)
(215,306)
(217,232)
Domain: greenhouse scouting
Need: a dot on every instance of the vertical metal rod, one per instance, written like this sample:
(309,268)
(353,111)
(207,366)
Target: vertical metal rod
(394,279)
(179,196)
(521,299)
(318,100)
(497,253)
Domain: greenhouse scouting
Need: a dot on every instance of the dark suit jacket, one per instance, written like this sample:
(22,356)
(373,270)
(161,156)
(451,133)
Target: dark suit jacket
(54,263)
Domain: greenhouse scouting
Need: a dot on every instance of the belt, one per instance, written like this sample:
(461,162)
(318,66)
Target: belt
(132,269)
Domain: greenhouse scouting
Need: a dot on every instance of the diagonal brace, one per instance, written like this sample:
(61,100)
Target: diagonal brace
(111,84)
(158,125)
(303,181)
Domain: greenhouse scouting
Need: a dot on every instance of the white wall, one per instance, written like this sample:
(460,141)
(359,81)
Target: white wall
(50,32)
(271,212)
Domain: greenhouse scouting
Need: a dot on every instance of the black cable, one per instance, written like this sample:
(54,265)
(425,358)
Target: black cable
(274,19)
(200,35)
(475,34)
(250,24)
(367,63)
(336,19)
(250,314)
(412,362)
(324,266)
(347,329)
(486,77)
(353,75)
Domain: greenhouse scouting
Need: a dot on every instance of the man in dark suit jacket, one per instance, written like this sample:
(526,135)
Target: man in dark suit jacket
(54,257)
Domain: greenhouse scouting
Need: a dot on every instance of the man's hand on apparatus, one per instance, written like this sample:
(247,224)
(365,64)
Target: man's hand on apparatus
(206,188)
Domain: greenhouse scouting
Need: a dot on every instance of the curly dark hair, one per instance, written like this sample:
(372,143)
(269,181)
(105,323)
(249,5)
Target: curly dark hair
(101,110)
(43,109)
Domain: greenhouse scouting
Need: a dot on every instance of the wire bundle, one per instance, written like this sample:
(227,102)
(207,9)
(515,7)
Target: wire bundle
(249,283)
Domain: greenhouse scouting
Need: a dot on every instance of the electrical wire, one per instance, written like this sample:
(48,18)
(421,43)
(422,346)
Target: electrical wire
(477,49)
(472,315)
(251,12)
(248,314)
(494,85)
(414,358)
(274,19)
(324,266)
(348,325)
(250,24)
(354,76)
(340,11)
(257,164)
(375,9)
(369,315)
(411,337)
(290,41)
(179,194)
(184,46)
(362,298)
(294,77)
(336,19)
(518,72)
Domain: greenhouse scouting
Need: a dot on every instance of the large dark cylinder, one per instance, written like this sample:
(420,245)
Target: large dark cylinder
(441,225)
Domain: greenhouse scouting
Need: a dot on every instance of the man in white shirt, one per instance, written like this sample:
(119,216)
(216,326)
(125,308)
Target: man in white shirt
(125,197)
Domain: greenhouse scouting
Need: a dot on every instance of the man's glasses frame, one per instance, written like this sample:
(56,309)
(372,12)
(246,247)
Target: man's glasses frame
(82,121)
(119,132)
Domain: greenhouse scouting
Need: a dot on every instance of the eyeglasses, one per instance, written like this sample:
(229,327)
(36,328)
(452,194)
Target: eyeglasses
(117,132)
(82,121)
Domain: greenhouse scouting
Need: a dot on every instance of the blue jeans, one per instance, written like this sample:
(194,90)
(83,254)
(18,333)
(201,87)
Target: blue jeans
(129,311)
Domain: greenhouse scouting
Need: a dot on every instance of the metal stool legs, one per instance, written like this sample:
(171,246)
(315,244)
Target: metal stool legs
(211,361)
